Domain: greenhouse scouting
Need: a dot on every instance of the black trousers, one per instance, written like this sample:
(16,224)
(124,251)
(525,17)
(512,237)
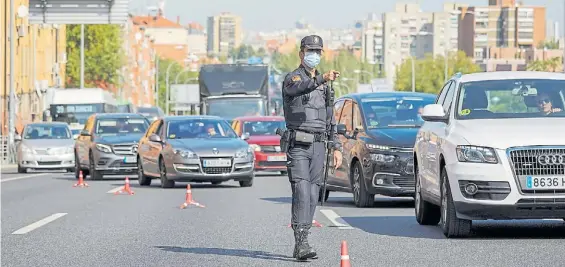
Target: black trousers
(305,171)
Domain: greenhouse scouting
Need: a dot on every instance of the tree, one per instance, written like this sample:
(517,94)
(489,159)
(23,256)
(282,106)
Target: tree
(184,77)
(551,64)
(103,55)
(549,44)
(344,62)
(430,72)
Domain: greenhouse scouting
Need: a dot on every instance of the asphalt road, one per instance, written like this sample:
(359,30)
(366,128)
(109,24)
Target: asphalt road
(48,222)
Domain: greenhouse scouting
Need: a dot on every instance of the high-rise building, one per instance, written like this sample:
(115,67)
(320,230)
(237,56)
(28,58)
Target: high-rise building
(503,23)
(224,33)
(411,33)
(373,40)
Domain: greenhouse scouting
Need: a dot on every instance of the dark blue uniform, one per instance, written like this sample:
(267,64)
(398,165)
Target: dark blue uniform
(305,110)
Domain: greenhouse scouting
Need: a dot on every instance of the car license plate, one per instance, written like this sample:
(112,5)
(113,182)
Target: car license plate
(216,163)
(276,158)
(536,182)
(130,160)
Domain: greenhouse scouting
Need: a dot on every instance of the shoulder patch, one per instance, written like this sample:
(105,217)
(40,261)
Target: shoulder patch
(296,78)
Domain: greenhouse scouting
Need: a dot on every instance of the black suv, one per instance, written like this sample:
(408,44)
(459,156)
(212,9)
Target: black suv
(377,148)
(108,144)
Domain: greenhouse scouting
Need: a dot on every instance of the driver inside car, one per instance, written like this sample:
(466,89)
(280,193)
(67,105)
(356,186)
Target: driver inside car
(545,104)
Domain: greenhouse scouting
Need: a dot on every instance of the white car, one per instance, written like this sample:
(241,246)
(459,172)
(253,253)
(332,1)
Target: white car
(492,147)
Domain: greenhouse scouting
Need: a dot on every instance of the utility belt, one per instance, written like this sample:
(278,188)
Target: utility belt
(290,138)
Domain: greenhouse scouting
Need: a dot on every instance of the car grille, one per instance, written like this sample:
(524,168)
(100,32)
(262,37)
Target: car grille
(216,170)
(270,149)
(125,149)
(48,163)
(525,162)
(122,164)
(404,181)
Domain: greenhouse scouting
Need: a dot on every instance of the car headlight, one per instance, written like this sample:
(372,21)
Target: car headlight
(476,154)
(377,147)
(185,153)
(383,158)
(104,148)
(244,153)
(255,147)
(27,150)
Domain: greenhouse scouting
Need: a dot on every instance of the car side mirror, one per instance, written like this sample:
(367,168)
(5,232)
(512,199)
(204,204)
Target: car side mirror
(434,113)
(17,138)
(84,133)
(245,136)
(155,138)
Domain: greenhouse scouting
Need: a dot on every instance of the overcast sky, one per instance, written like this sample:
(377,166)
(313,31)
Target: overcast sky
(266,15)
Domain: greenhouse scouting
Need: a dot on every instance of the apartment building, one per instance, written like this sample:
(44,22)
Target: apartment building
(409,32)
(503,23)
(137,84)
(372,42)
(224,34)
(197,40)
(40,58)
(453,10)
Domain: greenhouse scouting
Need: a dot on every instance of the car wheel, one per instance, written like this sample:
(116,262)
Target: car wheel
(21,170)
(142,179)
(326,195)
(94,174)
(165,183)
(361,197)
(284,173)
(426,212)
(77,167)
(248,183)
(450,224)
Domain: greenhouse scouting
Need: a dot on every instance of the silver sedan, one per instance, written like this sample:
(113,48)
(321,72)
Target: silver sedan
(45,146)
(194,149)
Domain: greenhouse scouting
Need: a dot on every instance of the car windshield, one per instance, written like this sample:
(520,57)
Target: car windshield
(47,132)
(513,98)
(149,112)
(394,111)
(230,108)
(116,126)
(199,128)
(262,127)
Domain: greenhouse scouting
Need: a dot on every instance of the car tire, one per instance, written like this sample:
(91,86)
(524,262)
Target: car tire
(284,173)
(326,195)
(426,212)
(246,183)
(165,183)
(94,174)
(142,179)
(450,224)
(21,170)
(361,196)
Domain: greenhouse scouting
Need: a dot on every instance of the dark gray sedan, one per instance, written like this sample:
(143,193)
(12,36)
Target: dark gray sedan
(194,149)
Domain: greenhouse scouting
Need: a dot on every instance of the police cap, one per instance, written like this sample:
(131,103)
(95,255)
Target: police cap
(312,42)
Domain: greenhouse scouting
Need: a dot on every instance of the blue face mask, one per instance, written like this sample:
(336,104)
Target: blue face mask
(311,59)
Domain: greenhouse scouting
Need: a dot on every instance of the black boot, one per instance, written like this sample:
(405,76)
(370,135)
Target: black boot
(302,250)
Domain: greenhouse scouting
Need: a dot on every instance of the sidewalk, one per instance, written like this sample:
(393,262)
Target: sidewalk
(8,166)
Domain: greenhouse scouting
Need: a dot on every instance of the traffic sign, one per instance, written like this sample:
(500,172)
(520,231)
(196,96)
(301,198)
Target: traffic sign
(78,11)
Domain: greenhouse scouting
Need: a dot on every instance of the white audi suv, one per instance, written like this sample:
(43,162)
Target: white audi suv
(492,147)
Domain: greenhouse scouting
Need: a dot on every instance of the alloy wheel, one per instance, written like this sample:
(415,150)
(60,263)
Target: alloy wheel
(356,185)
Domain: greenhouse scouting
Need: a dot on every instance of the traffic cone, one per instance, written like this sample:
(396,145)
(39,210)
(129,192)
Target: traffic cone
(344,255)
(126,189)
(314,223)
(188,199)
(81,182)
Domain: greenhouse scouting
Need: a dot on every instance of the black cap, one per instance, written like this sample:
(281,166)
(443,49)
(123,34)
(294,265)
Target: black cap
(312,42)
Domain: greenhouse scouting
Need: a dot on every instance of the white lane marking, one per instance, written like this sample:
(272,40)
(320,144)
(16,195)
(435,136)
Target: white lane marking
(115,190)
(22,177)
(336,220)
(38,224)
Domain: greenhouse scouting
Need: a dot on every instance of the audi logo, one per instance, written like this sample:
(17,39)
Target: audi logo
(551,159)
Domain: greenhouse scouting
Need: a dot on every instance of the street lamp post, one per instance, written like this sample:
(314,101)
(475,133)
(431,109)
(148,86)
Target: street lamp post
(413,75)
(364,72)
(446,64)
(167,87)
(12,97)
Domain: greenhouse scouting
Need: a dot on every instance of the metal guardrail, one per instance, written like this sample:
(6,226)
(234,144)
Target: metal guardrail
(6,153)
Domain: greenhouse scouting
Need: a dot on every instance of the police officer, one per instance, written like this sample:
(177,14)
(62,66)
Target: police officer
(307,120)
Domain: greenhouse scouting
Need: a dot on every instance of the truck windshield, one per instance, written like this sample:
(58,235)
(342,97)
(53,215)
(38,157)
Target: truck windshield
(78,113)
(229,108)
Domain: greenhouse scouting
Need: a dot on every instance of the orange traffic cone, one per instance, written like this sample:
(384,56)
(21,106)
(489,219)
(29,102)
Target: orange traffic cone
(314,223)
(188,200)
(344,255)
(126,189)
(81,182)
